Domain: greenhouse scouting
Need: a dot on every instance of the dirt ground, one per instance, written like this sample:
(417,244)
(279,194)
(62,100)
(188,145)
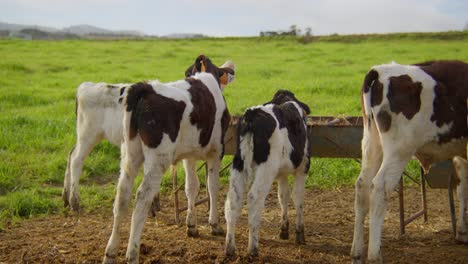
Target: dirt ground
(328,229)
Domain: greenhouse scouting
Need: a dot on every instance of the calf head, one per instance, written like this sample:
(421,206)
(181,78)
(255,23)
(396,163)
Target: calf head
(283,96)
(223,75)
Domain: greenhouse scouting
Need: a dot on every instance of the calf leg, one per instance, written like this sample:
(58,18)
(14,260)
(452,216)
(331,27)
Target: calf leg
(299,188)
(371,161)
(233,207)
(383,184)
(192,187)
(283,198)
(129,166)
(85,143)
(213,189)
(264,177)
(66,181)
(461,168)
(149,187)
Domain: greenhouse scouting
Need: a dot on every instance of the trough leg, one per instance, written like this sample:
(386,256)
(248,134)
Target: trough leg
(461,168)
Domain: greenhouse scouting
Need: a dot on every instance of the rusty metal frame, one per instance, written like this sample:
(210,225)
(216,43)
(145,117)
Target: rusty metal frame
(423,212)
(331,121)
(176,188)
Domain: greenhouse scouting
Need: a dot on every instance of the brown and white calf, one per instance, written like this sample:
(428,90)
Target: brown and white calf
(99,115)
(272,142)
(410,111)
(164,123)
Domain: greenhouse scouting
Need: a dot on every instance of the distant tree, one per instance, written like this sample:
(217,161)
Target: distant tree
(466,26)
(308,32)
(294,30)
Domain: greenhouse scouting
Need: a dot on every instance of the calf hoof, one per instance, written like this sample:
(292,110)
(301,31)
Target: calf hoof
(65,196)
(377,260)
(253,252)
(75,204)
(152,211)
(300,238)
(109,259)
(230,251)
(192,231)
(462,237)
(357,260)
(284,234)
(216,230)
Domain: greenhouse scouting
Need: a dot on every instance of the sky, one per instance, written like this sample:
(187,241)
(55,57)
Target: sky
(242,17)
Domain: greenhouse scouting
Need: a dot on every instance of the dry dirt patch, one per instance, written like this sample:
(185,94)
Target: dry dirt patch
(328,226)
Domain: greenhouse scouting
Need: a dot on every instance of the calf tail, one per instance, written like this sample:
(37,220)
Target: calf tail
(366,93)
(135,94)
(244,149)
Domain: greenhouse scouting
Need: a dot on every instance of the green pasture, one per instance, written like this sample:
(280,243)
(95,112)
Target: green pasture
(38,81)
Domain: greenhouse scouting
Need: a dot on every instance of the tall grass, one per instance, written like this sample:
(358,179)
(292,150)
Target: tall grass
(38,81)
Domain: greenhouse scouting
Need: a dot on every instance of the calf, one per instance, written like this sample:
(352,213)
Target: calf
(99,115)
(272,142)
(409,110)
(164,123)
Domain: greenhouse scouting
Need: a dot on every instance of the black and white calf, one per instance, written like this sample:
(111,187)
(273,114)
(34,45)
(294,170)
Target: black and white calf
(272,143)
(99,115)
(164,123)
(409,111)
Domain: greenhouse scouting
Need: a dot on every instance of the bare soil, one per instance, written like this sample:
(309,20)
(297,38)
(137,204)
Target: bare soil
(329,223)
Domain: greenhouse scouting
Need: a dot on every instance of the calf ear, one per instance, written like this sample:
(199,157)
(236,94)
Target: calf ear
(304,107)
(226,73)
(189,71)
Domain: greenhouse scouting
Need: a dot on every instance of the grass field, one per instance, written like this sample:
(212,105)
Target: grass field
(38,80)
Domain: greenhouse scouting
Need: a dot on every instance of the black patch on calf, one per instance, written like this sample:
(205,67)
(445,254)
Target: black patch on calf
(153,114)
(225,120)
(238,162)
(449,108)
(283,96)
(122,90)
(289,117)
(371,83)
(451,92)
(371,76)
(404,95)
(204,109)
(261,125)
(384,119)
(111,86)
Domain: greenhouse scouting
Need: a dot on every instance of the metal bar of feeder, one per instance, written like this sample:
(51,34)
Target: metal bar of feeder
(413,217)
(401,207)
(452,206)
(176,194)
(204,200)
(423,193)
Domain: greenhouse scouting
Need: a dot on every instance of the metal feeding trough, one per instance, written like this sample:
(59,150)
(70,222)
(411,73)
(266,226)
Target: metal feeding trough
(340,137)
